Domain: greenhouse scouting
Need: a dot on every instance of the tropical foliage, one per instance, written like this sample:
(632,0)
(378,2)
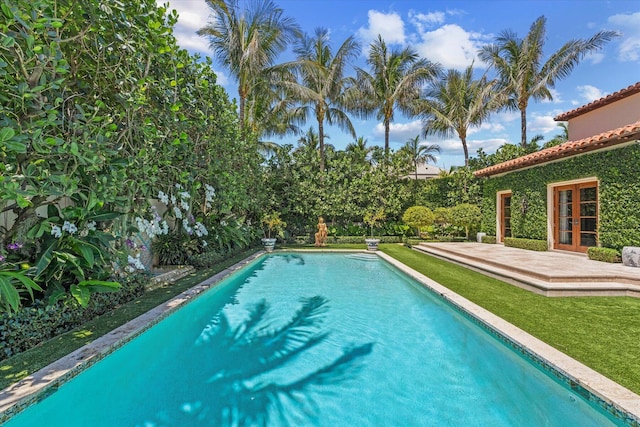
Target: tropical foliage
(520,68)
(99,109)
(395,81)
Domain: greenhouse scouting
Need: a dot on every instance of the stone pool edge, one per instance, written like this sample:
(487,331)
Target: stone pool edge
(611,393)
(40,384)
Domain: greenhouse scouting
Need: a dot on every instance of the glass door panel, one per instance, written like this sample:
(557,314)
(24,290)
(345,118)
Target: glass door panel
(576,216)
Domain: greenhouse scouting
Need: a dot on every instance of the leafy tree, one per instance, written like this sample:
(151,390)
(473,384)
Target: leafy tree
(523,75)
(247,42)
(457,102)
(465,215)
(322,85)
(395,81)
(418,217)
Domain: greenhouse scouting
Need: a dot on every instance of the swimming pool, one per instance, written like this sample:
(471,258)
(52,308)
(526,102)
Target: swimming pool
(314,339)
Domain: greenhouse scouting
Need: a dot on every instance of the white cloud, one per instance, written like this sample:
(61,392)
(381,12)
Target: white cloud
(399,132)
(426,20)
(541,124)
(590,93)
(450,45)
(487,127)
(629,24)
(489,145)
(389,26)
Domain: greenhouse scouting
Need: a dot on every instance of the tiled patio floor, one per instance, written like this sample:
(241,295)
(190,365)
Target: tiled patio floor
(549,273)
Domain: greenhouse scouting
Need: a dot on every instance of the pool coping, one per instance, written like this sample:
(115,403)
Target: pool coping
(40,384)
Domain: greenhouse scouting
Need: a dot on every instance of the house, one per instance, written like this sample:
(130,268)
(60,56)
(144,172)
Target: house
(425,171)
(582,193)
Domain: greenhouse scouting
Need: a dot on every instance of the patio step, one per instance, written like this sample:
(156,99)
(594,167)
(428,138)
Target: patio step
(541,280)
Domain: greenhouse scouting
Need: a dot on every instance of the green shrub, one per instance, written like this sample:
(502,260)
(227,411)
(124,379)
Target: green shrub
(489,239)
(530,244)
(205,260)
(604,254)
(39,322)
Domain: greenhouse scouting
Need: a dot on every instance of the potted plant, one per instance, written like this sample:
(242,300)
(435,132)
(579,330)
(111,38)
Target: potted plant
(372,218)
(274,225)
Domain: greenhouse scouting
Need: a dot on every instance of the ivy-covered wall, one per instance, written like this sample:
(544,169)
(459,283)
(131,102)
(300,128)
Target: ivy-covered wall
(618,172)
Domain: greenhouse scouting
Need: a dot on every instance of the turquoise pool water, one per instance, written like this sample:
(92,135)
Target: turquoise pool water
(314,340)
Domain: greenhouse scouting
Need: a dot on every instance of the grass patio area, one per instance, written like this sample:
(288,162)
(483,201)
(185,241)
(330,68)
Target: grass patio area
(601,332)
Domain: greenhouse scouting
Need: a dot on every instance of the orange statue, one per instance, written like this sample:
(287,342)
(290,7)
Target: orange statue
(321,235)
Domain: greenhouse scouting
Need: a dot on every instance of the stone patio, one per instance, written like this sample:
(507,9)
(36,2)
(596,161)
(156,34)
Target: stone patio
(552,273)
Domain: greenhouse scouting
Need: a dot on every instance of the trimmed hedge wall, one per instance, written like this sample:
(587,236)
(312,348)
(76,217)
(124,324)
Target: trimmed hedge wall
(618,173)
(40,322)
(489,239)
(604,254)
(530,244)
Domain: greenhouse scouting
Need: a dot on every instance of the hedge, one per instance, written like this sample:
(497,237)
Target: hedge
(489,239)
(360,239)
(39,322)
(530,244)
(604,254)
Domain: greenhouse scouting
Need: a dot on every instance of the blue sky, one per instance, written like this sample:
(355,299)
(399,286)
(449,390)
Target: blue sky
(450,32)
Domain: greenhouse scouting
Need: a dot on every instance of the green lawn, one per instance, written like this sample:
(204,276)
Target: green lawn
(601,332)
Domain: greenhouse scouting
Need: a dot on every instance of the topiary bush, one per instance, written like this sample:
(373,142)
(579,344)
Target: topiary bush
(530,244)
(604,254)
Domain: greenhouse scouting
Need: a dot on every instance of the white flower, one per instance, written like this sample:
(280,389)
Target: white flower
(135,263)
(91,226)
(204,243)
(173,199)
(223,223)
(177,212)
(184,205)
(184,195)
(185,225)
(179,187)
(163,197)
(200,229)
(69,227)
(56,231)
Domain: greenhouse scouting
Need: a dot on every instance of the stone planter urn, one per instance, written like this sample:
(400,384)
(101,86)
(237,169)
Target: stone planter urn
(372,244)
(269,244)
(631,256)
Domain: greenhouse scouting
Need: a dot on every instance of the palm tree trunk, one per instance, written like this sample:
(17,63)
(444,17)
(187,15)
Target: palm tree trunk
(242,97)
(386,136)
(523,127)
(321,144)
(466,150)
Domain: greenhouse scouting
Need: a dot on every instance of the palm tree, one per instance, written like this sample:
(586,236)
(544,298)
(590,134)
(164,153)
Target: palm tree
(523,76)
(322,85)
(560,138)
(420,153)
(247,43)
(360,151)
(457,102)
(396,80)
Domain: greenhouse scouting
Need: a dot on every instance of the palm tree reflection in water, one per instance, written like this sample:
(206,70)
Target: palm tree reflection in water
(249,390)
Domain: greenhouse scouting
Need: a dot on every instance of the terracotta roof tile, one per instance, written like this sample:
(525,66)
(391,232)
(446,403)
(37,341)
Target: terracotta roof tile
(616,96)
(567,149)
